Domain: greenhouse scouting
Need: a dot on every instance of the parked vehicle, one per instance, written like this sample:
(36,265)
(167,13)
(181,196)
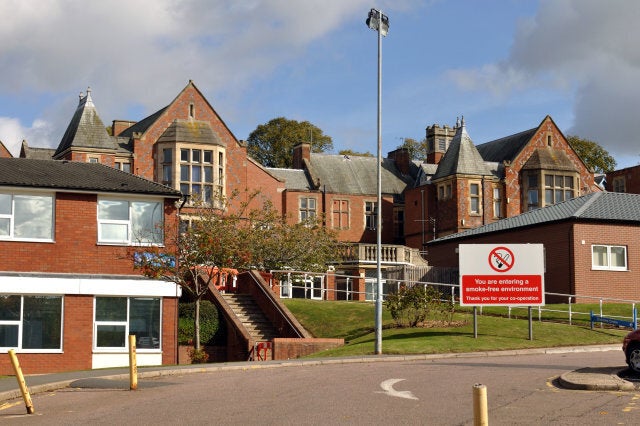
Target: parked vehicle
(631,349)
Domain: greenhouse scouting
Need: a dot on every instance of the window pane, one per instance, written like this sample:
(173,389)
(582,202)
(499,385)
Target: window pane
(533,181)
(533,197)
(113,210)
(303,203)
(146,222)
(184,173)
(144,322)
(9,308)
(111,336)
(42,322)
(207,192)
(312,203)
(600,256)
(184,155)
(5,224)
(167,174)
(8,335)
(33,217)
(618,257)
(184,188)
(559,195)
(548,180)
(126,167)
(111,308)
(167,155)
(474,189)
(208,174)
(195,155)
(5,204)
(568,195)
(548,196)
(559,180)
(568,182)
(474,205)
(195,173)
(114,232)
(208,156)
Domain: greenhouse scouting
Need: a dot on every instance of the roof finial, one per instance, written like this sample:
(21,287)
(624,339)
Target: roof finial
(457,122)
(462,122)
(88,101)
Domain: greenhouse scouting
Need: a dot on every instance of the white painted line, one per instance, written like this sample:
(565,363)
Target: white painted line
(387,386)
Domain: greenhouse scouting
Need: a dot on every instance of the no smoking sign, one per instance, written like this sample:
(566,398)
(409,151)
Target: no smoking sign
(501,274)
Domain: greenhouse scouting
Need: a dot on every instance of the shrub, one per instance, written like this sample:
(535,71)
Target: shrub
(209,322)
(412,306)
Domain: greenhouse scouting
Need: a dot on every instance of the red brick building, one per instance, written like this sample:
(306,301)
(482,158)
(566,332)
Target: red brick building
(591,244)
(463,186)
(69,292)
(624,180)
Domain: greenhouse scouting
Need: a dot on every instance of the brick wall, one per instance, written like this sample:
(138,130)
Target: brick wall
(567,259)
(75,249)
(631,177)
(295,348)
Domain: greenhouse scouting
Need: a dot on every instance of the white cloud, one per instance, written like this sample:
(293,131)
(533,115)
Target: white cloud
(584,48)
(133,53)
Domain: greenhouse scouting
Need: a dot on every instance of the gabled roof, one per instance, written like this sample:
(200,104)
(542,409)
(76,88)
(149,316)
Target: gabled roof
(72,175)
(461,158)
(341,174)
(4,152)
(34,152)
(86,129)
(598,206)
(142,125)
(506,148)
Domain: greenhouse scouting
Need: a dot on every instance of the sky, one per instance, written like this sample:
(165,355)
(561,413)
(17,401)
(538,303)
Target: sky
(502,64)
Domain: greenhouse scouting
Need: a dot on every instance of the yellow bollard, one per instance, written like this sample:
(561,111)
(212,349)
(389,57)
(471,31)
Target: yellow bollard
(480,415)
(21,382)
(133,368)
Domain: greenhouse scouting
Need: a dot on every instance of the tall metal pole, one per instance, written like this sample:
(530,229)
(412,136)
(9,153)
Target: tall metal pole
(379,203)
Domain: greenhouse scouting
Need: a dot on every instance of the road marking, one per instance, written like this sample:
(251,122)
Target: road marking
(387,386)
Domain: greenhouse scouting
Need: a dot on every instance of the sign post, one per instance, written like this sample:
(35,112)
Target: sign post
(502,275)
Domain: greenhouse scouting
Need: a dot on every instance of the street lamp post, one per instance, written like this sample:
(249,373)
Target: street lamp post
(380,23)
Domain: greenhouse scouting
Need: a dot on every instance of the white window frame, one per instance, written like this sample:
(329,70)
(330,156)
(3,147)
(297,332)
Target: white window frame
(12,219)
(20,324)
(307,212)
(477,196)
(370,215)
(127,325)
(130,239)
(608,266)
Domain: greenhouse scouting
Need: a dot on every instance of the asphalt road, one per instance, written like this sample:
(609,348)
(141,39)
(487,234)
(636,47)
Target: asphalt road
(521,390)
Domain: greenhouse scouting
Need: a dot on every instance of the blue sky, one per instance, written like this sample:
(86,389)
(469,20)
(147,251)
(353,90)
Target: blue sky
(504,65)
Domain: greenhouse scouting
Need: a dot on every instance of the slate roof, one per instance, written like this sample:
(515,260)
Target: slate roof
(506,148)
(598,206)
(356,175)
(142,125)
(295,179)
(191,131)
(86,129)
(72,175)
(462,157)
(38,153)
(549,158)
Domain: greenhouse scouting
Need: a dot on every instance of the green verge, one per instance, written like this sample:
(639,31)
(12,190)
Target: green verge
(354,321)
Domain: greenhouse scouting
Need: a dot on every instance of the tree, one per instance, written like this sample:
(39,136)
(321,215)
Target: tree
(417,150)
(594,156)
(352,153)
(272,144)
(218,244)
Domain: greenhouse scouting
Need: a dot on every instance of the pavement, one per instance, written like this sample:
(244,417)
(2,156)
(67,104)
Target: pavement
(601,379)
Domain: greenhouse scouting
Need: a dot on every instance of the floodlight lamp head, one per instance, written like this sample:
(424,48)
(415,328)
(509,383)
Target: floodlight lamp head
(378,21)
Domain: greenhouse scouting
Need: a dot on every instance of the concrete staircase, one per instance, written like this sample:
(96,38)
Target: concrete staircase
(251,317)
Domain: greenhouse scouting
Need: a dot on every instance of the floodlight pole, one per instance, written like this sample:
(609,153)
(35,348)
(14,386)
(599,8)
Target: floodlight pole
(380,23)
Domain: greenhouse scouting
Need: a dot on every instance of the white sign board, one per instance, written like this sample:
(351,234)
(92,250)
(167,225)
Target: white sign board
(501,274)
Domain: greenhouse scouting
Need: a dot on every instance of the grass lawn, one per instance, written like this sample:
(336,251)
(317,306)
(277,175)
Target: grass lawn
(354,321)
